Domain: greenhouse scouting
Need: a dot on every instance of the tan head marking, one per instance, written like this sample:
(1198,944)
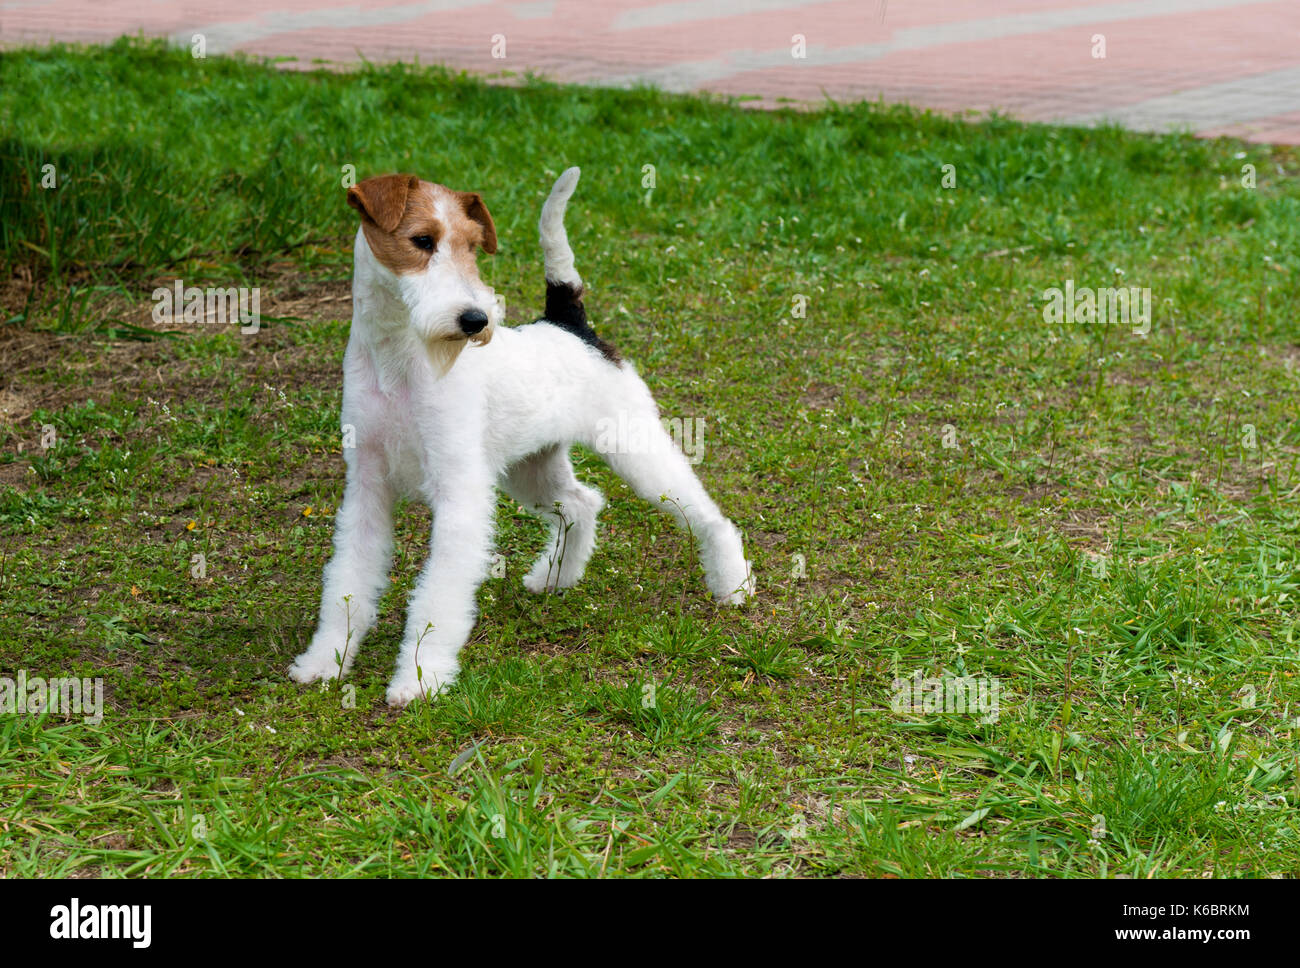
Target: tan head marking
(382,199)
(477,211)
(398,212)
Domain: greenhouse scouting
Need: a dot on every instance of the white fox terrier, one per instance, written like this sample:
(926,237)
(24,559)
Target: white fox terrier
(425,418)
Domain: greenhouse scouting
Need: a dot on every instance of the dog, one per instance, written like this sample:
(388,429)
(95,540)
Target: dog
(442,401)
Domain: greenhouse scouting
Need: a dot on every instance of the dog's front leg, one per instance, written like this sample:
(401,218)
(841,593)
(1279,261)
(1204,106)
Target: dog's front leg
(357,574)
(443,606)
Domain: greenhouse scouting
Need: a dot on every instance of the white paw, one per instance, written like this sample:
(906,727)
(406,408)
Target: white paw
(739,593)
(546,577)
(405,688)
(311,666)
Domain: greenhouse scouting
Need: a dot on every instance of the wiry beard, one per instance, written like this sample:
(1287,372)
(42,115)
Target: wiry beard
(443,353)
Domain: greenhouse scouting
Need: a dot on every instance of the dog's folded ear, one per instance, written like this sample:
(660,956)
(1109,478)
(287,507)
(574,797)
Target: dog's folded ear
(382,199)
(478,212)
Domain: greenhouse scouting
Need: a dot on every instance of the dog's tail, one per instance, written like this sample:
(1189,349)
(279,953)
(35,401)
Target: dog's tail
(563,284)
(555,241)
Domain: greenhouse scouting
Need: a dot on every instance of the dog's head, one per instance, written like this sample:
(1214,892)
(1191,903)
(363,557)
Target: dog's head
(424,239)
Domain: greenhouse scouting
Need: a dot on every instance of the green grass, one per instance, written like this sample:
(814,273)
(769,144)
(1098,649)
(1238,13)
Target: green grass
(1103,541)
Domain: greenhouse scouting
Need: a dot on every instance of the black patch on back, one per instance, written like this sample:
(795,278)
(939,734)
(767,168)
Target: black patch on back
(564,309)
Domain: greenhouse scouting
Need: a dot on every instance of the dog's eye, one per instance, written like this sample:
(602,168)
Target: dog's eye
(423,242)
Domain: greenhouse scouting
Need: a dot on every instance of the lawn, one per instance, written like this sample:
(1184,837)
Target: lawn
(939,481)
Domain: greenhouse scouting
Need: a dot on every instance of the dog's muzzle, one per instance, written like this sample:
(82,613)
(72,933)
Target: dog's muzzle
(472,321)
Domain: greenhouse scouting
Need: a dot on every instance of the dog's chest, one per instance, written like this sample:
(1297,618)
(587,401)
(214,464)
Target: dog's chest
(404,451)
(384,424)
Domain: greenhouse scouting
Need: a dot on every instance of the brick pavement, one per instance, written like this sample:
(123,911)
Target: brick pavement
(1211,66)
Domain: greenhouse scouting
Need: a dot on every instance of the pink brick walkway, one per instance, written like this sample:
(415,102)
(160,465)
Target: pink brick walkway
(1211,66)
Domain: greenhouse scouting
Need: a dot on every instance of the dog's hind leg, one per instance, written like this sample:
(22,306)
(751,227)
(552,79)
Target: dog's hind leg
(357,573)
(544,483)
(660,473)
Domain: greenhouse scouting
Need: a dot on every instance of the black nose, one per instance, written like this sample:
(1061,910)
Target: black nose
(473,321)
